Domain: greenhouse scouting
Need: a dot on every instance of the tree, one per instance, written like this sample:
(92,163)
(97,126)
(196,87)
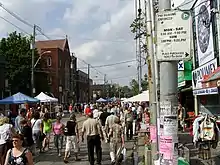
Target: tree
(17,53)
(135,87)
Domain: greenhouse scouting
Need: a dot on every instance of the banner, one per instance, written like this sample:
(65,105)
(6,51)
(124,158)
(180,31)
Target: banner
(166,147)
(204,32)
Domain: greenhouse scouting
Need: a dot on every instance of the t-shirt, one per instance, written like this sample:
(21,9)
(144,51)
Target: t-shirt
(87,111)
(103,117)
(71,128)
(47,126)
(95,113)
(5,133)
(18,120)
(36,126)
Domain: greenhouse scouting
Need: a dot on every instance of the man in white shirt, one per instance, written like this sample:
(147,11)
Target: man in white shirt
(18,120)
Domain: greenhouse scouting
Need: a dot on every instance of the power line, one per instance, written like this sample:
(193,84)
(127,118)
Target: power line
(22,20)
(113,64)
(14,25)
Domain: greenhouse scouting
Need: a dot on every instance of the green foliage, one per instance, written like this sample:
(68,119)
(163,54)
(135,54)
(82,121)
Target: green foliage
(134,85)
(17,53)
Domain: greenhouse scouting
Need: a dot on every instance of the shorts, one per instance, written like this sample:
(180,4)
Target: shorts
(71,142)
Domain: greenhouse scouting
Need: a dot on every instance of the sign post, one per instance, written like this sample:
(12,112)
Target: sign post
(174,30)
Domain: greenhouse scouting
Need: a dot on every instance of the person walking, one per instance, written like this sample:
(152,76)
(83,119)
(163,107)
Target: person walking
(92,129)
(6,132)
(129,124)
(18,120)
(47,129)
(18,155)
(58,129)
(28,138)
(116,135)
(72,138)
(37,130)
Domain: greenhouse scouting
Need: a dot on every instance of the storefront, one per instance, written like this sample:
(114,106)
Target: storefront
(185,85)
(203,86)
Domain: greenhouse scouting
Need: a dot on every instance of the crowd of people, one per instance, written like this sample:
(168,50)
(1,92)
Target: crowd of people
(30,132)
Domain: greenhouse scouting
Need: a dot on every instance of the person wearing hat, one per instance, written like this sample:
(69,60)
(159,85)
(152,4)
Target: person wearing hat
(72,138)
(92,129)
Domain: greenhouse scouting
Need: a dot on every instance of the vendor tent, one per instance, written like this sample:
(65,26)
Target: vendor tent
(45,98)
(18,98)
(101,100)
(144,96)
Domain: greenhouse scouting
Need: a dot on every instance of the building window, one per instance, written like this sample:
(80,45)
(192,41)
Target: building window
(49,61)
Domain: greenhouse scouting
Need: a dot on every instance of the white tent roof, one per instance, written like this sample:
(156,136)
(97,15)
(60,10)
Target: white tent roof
(144,96)
(45,98)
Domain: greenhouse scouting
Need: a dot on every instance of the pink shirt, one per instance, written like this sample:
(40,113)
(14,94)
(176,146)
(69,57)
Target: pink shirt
(57,128)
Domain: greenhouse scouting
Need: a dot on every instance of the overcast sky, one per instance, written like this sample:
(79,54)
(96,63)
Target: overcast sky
(98,31)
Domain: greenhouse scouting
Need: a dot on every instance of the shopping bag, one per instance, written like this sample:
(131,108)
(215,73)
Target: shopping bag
(121,154)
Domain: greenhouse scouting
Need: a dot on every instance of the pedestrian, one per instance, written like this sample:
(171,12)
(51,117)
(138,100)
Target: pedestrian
(116,135)
(47,129)
(6,132)
(72,138)
(58,129)
(37,130)
(110,121)
(28,138)
(18,120)
(18,155)
(129,124)
(92,129)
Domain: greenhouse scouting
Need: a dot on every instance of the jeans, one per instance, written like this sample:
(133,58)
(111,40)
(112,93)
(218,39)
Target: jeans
(58,142)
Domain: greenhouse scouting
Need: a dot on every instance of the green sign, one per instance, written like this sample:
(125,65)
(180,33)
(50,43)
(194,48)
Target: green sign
(181,79)
(185,75)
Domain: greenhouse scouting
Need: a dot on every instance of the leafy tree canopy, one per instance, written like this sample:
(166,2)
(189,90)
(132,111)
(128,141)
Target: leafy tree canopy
(17,53)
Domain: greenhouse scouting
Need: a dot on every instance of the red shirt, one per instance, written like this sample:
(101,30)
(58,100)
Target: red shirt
(87,111)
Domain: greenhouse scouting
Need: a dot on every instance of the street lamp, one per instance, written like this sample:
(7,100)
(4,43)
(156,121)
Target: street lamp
(32,70)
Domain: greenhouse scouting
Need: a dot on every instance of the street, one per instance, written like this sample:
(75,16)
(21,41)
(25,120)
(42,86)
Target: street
(51,157)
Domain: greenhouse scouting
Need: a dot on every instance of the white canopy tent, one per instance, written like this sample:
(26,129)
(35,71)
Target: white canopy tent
(45,98)
(144,96)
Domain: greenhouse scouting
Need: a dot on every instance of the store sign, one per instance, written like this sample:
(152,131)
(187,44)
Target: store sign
(204,32)
(199,73)
(174,30)
(206,91)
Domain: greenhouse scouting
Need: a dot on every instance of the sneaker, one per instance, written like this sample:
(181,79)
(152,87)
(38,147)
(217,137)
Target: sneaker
(65,161)
(59,154)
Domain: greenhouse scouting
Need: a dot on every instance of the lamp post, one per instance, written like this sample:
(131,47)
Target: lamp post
(32,71)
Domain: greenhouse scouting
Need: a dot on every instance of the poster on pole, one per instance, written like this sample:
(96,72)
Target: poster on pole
(153,133)
(170,125)
(166,147)
(174,30)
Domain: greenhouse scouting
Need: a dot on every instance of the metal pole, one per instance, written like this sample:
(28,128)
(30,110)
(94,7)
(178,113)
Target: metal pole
(139,44)
(88,83)
(151,75)
(168,94)
(32,62)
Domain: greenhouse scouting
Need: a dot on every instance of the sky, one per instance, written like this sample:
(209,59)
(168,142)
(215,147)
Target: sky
(98,31)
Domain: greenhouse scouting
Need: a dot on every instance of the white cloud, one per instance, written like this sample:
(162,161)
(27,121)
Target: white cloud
(98,30)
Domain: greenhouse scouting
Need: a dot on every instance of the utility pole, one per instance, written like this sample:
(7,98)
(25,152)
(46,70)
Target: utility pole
(88,83)
(149,13)
(140,52)
(105,91)
(32,62)
(168,98)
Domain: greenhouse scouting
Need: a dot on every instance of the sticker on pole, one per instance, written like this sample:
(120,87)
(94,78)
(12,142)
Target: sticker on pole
(174,30)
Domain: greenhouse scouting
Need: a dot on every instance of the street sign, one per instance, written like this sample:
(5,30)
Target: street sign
(174,30)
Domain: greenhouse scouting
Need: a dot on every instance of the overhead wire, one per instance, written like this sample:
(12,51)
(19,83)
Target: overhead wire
(113,64)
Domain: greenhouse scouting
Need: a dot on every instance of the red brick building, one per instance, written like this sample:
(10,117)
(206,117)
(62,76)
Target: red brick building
(58,66)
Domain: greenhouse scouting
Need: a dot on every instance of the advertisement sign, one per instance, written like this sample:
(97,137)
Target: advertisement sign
(166,147)
(199,73)
(206,91)
(170,125)
(174,29)
(204,32)
(153,133)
